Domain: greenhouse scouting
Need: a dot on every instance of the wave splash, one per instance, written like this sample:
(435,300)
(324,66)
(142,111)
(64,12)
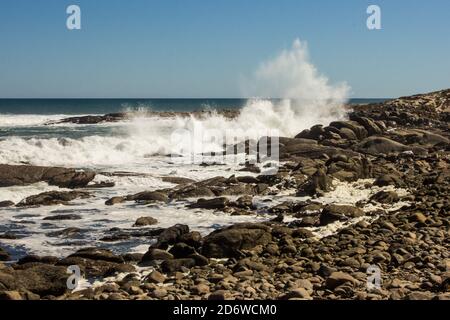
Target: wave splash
(306,99)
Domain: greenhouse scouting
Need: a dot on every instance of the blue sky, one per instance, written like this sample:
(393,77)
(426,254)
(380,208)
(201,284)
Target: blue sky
(201,48)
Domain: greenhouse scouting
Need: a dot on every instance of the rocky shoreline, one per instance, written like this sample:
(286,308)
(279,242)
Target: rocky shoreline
(400,144)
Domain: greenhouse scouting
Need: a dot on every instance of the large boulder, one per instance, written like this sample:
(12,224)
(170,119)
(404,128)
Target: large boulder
(192,191)
(97,254)
(171,236)
(339,278)
(149,196)
(52,198)
(317,184)
(145,221)
(12,175)
(370,125)
(230,241)
(96,262)
(333,212)
(215,203)
(41,279)
(359,131)
(380,145)
(428,138)
(312,151)
(6,204)
(389,179)
(352,169)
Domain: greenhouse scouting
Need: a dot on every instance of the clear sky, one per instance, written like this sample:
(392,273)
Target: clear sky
(201,48)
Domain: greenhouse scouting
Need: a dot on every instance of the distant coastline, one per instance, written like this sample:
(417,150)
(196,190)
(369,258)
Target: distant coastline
(103,106)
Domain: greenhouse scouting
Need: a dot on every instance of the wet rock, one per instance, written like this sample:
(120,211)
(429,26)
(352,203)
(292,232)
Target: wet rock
(9,236)
(171,235)
(380,145)
(229,241)
(424,137)
(192,192)
(244,202)
(115,200)
(132,257)
(347,134)
(60,217)
(181,250)
(359,131)
(193,239)
(170,266)
(244,189)
(53,198)
(302,233)
(311,151)
(177,180)
(147,196)
(154,254)
(216,203)
(93,119)
(43,280)
(318,184)
(97,254)
(199,259)
(37,259)
(5,204)
(370,125)
(145,221)
(100,185)
(385,197)
(332,213)
(388,179)
(96,267)
(67,233)
(12,175)
(247,179)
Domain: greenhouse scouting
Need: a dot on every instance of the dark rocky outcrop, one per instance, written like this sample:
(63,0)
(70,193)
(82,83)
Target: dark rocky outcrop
(12,175)
(145,221)
(332,213)
(229,241)
(42,280)
(6,204)
(53,198)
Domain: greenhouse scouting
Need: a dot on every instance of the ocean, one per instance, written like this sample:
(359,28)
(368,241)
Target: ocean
(103,106)
(141,148)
